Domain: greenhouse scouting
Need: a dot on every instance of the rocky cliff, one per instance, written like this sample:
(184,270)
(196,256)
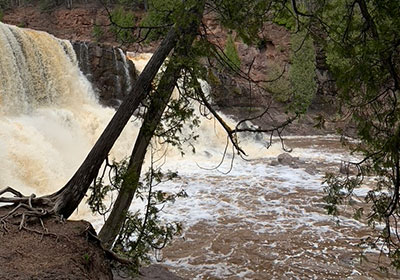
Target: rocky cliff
(107,68)
(111,75)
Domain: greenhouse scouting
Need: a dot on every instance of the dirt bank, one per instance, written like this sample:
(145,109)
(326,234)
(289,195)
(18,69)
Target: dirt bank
(60,251)
(55,251)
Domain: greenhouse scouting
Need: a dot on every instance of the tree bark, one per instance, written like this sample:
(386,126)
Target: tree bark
(129,186)
(68,198)
(152,119)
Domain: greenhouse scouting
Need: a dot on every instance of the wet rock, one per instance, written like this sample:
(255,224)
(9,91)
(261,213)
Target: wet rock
(110,73)
(151,272)
(207,154)
(157,272)
(294,166)
(286,159)
(274,163)
(311,170)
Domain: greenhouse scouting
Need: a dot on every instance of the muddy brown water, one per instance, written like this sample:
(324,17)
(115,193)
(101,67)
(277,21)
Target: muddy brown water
(268,222)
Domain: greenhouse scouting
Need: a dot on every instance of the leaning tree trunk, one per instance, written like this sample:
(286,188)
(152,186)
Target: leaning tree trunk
(68,198)
(152,119)
(129,186)
(112,226)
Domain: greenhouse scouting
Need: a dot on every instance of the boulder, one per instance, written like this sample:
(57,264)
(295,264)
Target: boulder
(286,159)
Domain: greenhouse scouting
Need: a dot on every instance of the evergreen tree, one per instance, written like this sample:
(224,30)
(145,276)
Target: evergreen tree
(361,41)
(185,43)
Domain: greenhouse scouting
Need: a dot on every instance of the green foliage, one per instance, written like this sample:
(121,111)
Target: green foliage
(179,113)
(337,191)
(142,231)
(5,4)
(46,5)
(21,24)
(361,43)
(296,87)
(284,17)
(279,85)
(162,13)
(123,21)
(212,79)
(302,74)
(129,4)
(1,15)
(246,17)
(98,32)
(86,259)
(231,53)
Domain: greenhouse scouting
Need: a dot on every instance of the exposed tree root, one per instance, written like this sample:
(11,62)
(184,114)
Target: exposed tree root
(109,253)
(19,198)
(25,207)
(11,190)
(42,233)
(22,208)
(3,225)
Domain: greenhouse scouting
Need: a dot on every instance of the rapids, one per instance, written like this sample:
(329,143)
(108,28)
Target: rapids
(258,222)
(266,221)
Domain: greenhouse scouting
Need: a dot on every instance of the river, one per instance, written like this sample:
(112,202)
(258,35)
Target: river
(261,220)
(264,221)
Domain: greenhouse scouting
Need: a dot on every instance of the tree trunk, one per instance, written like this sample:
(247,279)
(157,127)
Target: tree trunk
(68,198)
(129,186)
(152,119)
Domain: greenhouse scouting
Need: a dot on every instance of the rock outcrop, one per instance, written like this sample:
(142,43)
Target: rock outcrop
(107,68)
(232,96)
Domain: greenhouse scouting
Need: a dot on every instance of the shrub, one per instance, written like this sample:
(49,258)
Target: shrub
(297,86)
(97,32)
(302,74)
(231,53)
(124,21)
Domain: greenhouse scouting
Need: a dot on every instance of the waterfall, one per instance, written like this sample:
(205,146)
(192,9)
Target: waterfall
(50,119)
(125,67)
(84,59)
(261,219)
(49,115)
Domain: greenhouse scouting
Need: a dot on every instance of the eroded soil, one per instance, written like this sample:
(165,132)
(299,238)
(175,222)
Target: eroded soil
(62,251)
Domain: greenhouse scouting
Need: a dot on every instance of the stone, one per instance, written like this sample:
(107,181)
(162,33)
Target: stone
(311,170)
(285,159)
(274,163)
(98,51)
(107,70)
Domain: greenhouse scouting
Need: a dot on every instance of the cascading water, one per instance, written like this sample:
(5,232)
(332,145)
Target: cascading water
(259,222)
(49,116)
(84,58)
(128,79)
